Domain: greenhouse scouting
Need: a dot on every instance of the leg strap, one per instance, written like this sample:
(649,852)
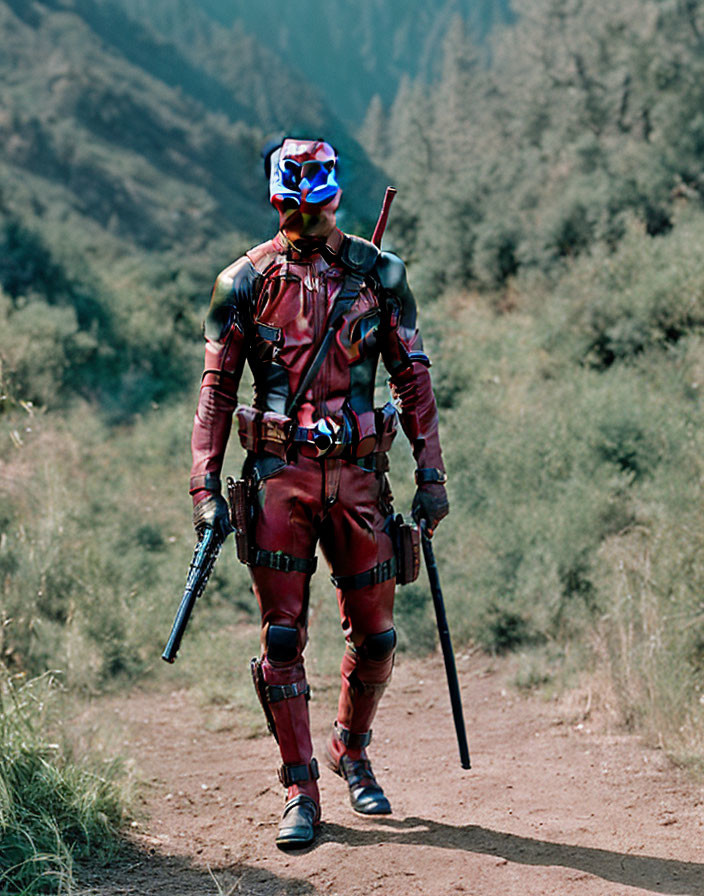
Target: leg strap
(297,774)
(356,741)
(276,692)
(382,572)
(283,562)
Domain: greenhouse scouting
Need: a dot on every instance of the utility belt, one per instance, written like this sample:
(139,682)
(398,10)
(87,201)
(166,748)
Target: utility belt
(275,434)
(363,439)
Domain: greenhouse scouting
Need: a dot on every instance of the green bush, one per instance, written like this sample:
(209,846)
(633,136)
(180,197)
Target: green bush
(55,810)
(496,253)
(649,294)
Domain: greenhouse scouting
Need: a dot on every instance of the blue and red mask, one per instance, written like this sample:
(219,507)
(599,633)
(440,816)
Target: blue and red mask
(303,176)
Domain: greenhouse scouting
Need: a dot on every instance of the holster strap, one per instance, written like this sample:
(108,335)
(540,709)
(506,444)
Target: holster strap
(356,741)
(296,774)
(283,562)
(379,573)
(276,692)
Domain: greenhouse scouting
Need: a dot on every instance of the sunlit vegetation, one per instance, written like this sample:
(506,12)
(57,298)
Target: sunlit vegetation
(550,209)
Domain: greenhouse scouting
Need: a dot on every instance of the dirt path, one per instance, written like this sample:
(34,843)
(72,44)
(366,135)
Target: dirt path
(549,807)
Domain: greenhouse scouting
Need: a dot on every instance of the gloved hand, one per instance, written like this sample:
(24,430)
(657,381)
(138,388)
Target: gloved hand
(430,504)
(212,512)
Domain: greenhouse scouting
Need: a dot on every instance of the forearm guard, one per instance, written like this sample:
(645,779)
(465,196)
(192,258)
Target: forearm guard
(216,403)
(402,350)
(412,387)
(225,353)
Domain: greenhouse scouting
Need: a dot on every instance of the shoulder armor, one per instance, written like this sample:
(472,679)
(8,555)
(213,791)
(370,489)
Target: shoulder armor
(391,273)
(231,300)
(358,254)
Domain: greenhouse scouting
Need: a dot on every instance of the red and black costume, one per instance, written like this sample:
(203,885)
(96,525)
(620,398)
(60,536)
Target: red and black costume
(316,473)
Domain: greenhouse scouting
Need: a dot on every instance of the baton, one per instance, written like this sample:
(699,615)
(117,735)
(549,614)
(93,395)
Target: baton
(446,644)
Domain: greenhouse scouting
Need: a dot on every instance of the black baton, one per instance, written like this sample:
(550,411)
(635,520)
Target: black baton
(446,644)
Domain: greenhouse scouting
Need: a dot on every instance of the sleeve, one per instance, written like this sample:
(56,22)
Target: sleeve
(407,363)
(225,329)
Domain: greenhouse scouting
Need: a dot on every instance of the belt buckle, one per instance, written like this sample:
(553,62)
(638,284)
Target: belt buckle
(325,436)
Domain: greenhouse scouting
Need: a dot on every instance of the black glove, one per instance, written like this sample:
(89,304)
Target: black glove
(430,504)
(212,512)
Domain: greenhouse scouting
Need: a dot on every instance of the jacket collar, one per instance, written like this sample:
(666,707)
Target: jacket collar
(304,249)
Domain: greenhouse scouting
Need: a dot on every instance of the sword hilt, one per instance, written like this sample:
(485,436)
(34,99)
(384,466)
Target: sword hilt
(383,216)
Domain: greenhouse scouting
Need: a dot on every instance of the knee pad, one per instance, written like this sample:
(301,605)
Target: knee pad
(378,647)
(281,643)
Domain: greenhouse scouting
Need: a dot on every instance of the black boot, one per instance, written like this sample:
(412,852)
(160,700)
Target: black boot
(297,828)
(366,797)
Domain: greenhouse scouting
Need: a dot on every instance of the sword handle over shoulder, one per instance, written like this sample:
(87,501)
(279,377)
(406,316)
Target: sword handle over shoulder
(383,216)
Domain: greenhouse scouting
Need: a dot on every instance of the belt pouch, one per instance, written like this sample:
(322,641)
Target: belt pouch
(366,433)
(237,491)
(386,426)
(407,548)
(274,430)
(248,420)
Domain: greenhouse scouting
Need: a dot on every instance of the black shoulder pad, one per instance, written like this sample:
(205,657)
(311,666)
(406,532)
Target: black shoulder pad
(391,273)
(358,254)
(232,299)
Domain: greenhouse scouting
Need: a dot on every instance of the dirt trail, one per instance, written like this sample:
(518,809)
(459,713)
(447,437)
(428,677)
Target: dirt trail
(549,807)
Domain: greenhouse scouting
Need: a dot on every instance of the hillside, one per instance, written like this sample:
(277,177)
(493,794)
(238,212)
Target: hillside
(155,143)
(353,52)
(130,167)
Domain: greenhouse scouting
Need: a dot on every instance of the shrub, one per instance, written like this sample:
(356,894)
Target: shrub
(647,295)
(55,810)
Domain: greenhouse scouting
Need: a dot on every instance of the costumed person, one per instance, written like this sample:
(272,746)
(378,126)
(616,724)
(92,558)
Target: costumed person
(312,310)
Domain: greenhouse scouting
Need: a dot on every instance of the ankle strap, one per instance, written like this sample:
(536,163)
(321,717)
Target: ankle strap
(356,741)
(297,774)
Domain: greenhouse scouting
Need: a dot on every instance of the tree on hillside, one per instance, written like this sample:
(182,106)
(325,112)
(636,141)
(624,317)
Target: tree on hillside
(587,113)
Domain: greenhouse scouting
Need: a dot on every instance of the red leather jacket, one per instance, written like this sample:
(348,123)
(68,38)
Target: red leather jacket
(271,307)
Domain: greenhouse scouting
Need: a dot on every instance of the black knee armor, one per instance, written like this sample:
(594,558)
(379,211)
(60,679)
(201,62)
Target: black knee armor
(378,647)
(281,643)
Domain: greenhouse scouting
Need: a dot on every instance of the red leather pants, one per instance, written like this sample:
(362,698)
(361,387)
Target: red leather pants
(343,507)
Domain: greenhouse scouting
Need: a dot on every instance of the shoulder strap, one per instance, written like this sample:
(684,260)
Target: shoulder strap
(359,257)
(352,285)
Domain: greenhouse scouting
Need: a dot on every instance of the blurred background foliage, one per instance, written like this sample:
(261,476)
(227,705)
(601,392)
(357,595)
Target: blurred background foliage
(549,157)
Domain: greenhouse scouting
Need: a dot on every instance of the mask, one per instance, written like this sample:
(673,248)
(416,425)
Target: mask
(302,176)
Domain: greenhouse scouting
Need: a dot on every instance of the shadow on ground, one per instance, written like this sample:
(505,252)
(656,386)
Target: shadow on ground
(647,872)
(144,873)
